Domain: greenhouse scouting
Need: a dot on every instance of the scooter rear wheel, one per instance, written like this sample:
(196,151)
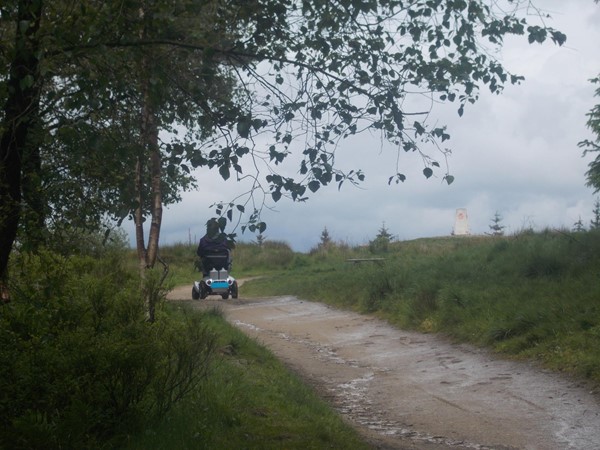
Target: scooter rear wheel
(203,290)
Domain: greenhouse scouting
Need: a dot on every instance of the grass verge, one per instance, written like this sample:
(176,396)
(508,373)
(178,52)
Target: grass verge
(251,401)
(532,296)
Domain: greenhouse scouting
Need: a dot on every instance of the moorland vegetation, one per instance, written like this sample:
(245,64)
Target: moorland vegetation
(528,295)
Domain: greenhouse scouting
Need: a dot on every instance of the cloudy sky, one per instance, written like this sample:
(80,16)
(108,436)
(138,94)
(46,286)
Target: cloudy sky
(515,154)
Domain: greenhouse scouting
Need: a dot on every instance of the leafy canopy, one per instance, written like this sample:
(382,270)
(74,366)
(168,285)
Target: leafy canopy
(245,87)
(311,73)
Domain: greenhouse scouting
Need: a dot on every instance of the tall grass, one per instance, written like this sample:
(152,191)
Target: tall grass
(533,295)
(249,401)
(255,259)
(248,260)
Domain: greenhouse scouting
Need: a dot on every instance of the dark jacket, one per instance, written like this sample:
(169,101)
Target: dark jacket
(209,246)
(214,254)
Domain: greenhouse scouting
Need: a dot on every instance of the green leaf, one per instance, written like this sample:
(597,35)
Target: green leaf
(419,129)
(23,26)
(303,168)
(427,172)
(224,171)
(241,151)
(314,186)
(257,124)
(558,37)
(26,82)
(243,127)
(399,177)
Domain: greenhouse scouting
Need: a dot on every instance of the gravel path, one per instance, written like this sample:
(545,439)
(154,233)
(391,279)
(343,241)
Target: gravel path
(405,390)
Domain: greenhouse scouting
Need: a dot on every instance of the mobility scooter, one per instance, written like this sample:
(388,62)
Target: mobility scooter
(216,279)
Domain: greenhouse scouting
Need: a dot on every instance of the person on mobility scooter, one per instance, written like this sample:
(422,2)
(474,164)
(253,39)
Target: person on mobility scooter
(215,257)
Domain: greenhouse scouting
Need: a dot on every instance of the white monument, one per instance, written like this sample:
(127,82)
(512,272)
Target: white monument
(461,223)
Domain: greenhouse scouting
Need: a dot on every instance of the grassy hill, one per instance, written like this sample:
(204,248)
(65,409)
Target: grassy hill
(531,295)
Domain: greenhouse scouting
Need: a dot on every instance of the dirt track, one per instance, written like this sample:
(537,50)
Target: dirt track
(406,390)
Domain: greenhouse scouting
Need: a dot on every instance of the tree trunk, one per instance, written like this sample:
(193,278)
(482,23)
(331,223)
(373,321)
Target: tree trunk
(151,156)
(138,217)
(33,216)
(151,139)
(20,113)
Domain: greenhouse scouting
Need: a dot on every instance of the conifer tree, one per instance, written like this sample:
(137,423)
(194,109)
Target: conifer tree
(496,229)
(325,240)
(595,222)
(578,226)
(382,241)
(260,240)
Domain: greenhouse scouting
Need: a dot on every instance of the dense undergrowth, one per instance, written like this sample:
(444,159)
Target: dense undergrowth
(531,295)
(82,367)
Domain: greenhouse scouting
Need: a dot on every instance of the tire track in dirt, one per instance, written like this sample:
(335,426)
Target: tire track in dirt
(406,390)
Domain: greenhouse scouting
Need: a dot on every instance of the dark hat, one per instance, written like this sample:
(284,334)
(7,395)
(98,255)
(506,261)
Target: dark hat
(212,226)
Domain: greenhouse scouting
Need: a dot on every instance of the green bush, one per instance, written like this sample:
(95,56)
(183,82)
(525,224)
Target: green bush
(79,364)
(69,241)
